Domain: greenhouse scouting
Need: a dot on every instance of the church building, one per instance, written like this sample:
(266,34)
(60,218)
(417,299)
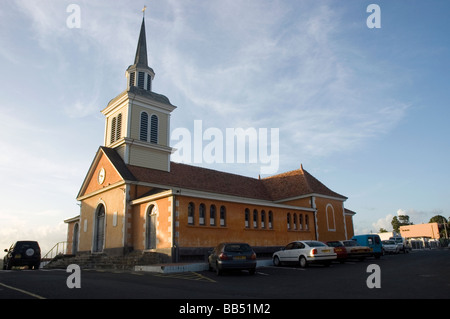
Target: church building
(134,198)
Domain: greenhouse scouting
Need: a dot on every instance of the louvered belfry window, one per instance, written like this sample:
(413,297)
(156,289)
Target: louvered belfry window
(113,130)
(116,128)
(149,82)
(143,134)
(154,129)
(132,76)
(119,127)
(141,78)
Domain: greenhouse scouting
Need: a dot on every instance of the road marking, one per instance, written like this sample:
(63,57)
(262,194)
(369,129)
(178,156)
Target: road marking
(284,267)
(23,291)
(185,275)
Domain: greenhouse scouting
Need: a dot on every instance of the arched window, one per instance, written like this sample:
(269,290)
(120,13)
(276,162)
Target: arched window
(212,215)
(154,129)
(201,214)
(75,237)
(288,221)
(191,213)
(263,219)
(247,218)
(295,221)
(150,228)
(141,78)
(119,127)
(149,82)
(330,217)
(99,229)
(113,130)
(143,134)
(223,216)
(270,219)
(306,222)
(301,221)
(255,218)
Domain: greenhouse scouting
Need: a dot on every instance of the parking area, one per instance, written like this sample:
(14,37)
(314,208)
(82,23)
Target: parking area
(420,274)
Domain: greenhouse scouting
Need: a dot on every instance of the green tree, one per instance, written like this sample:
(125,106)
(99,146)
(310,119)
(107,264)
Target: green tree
(443,225)
(401,220)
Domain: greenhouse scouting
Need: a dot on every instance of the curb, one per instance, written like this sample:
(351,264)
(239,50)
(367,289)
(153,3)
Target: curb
(177,268)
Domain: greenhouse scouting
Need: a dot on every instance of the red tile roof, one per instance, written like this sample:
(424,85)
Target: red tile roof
(287,185)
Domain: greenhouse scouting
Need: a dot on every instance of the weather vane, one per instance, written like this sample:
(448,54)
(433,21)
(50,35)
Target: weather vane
(143,11)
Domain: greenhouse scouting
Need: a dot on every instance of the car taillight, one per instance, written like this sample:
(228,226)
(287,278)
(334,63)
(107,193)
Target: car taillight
(314,251)
(253,256)
(223,256)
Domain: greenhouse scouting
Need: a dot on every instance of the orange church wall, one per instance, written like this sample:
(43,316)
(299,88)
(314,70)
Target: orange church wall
(113,200)
(197,235)
(330,218)
(163,224)
(111,175)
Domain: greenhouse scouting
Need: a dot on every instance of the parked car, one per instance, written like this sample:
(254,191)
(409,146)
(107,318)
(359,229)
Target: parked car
(23,253)
(372,241)
(339,249)
(305,252)
(355,250)
(401,243)
(232,256)
(390,247)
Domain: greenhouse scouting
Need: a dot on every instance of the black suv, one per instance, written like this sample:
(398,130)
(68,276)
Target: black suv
(23,253)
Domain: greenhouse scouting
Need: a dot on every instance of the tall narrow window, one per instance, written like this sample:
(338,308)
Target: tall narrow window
(223,216)
(295,221)
(150,228)
(141,78)
(143,134)
(247,218)
(99,229)
(212,215)
(201,214)
(113,130)
(288,221)
(330,217)
(132,76)
(119,126)
(154,129)
(263,219)
(149,82)
(301,222)
(255,218)
(191,213)
(306,222)
(270,219)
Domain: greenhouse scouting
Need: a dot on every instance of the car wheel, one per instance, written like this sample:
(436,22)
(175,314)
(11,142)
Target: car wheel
(276,261)
(252,271)
(302,261)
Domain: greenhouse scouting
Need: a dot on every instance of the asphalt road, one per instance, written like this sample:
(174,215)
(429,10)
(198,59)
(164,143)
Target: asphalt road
(418,275)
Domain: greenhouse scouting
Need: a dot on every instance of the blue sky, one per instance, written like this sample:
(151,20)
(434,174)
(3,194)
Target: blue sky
(364,110)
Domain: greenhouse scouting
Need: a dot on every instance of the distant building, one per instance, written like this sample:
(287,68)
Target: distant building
(134,198)
(422,235)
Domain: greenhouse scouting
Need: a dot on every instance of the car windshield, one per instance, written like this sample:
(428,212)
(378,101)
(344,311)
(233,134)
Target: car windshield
(237,248)
(388,242)
(350,243)
(335,244)
(315,244)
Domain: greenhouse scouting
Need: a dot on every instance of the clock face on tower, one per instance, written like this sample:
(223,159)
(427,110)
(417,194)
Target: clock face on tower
(101,176)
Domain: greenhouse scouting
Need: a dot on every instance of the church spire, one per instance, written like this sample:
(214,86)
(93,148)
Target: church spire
(141,51)
(140,74)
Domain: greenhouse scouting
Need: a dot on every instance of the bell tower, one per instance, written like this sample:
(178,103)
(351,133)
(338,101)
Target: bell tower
(138,119)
